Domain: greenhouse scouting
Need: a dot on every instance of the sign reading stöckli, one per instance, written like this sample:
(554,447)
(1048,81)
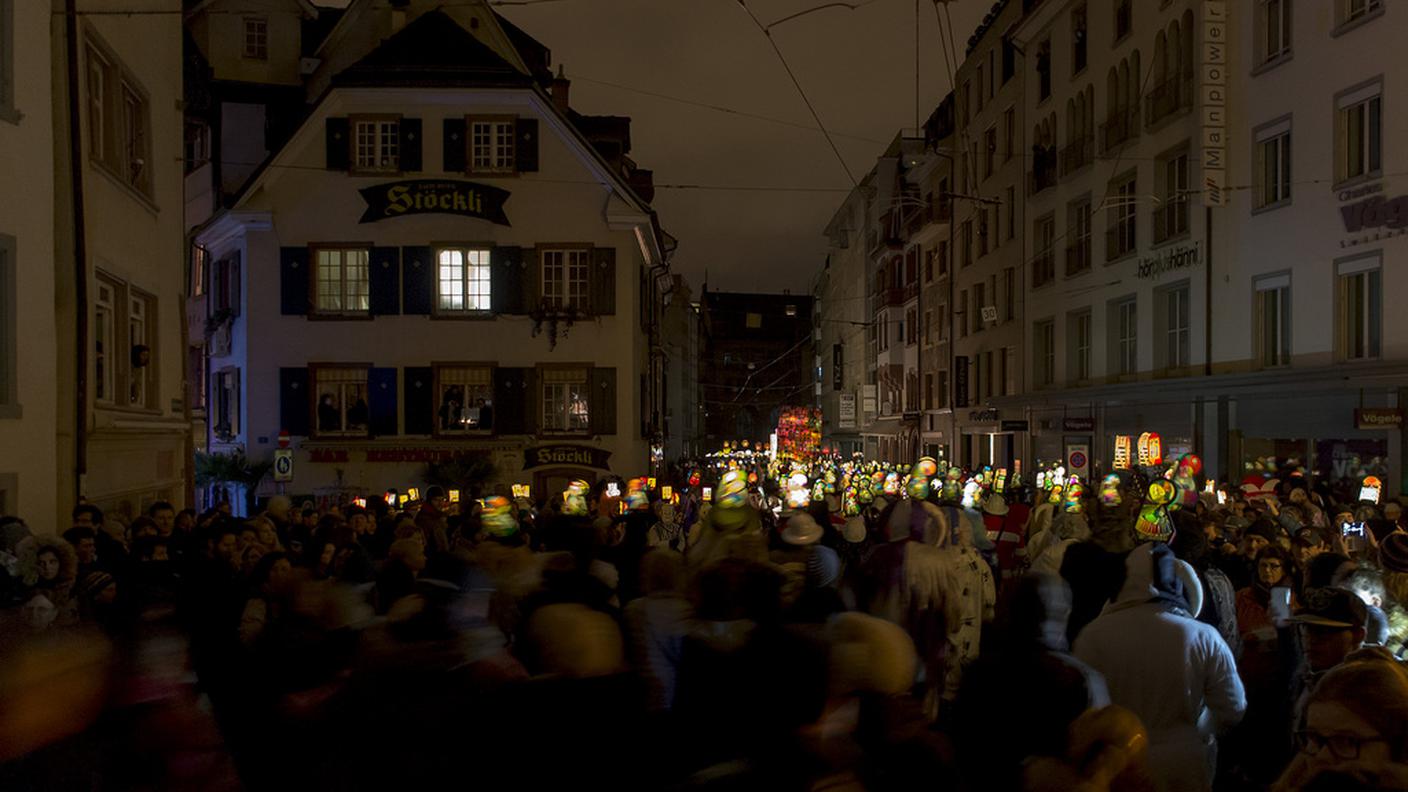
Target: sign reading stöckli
(434,196)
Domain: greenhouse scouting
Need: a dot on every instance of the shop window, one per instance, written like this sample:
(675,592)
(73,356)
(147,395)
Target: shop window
(342,281)
(376,144)
(1360,294)
(1044,357)
(462,280)
(565,274)
(1273,164)
(565,400)
(1124,318)
(1272,313)
(1273,30)
(465,395)
(256,38)
(1171,216)
(491,145)
(1358,122)
(341,409)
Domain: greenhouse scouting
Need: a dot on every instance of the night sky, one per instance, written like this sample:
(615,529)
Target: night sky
(856,66)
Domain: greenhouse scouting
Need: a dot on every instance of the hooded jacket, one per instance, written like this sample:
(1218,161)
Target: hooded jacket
(1175,673)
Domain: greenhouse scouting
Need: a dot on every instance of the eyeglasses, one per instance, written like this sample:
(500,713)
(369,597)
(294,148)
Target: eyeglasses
(1342,746)
(1270,564)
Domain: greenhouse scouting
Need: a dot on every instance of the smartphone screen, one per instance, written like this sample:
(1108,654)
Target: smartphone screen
(1280,607)
(708,494)
(1353,529)
(1221,497)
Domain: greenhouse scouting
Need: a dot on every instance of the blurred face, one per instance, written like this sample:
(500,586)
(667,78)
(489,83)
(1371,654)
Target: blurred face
(107,595)
(416,560)
(165,521)
(1326,647)
(1270,570)
(361,524)
(227,547)
(87,551)
(1392,511)
(266,535)
(247,537)
(48,565)
(1253,544)
(1306,552)
(1336,736)
(325,557)
(311,520)
(280,573)
(146,530)
(185,522)
(84,520)
(160,553)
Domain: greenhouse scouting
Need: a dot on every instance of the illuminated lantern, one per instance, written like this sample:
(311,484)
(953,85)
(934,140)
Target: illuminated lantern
(1110,490)
(999,482)
(1151,449)
(1192,463)
(892,485)
(574,499)
(1075,491)
(498,516)
(1122,444)
(733,491)
(970,493)
(1154,524)
(1162,492)
(694,478)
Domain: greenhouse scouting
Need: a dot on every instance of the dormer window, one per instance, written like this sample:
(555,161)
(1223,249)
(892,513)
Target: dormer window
(376,144)
(491,145)
(256,38)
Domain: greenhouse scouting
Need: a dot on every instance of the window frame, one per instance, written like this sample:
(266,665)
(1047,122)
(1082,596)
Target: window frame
(1080,327)
(1125,348)
(440,312)
(1121,35)
(219,403)
(9,328)
(1370,265)
(314,397)
(1083,235)
(1044,245)
(543,250)
(542,398)
(107,378)
(1343,22)
(1044,352)
(110,135)
(1266,59)
(1277,132)
(439,368)
(146,377)
(1121,216)
(117,375)
(316,311)
(260,50)
(354,121)
(1173,188)
(1080,39)
(1364,95)
(511,169)
(1278,283)
(1177,349)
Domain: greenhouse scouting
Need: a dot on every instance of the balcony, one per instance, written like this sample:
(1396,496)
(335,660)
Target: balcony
(893,298)
(1171,96)
(1077,154)
(1171,220)
(1123,125)
(1043,170)
(1078,257)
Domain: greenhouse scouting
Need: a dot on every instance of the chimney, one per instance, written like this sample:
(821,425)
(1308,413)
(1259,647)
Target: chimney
(560,87)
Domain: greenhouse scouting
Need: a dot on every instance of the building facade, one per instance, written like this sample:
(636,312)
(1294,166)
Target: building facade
(443,264)
(679,333)
(756,360)
(842,323)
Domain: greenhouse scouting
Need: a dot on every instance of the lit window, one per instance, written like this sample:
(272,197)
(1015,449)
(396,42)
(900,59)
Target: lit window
(342,281)
(565,400)
(342,401)
(491,146)
(565,275)
(466,397)
(256,38)
(462,280)
(377,144)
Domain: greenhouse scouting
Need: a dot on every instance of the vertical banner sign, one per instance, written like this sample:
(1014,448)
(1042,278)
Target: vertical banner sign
(960,381)
(1214,103)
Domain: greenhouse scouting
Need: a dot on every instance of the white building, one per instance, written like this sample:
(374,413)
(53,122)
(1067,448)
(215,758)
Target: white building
(442,260)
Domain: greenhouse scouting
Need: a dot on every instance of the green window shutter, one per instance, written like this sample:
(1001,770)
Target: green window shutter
(602,402)
(603,281)
(339,147)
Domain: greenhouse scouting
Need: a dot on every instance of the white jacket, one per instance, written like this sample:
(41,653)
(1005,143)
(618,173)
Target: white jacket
(1175,673)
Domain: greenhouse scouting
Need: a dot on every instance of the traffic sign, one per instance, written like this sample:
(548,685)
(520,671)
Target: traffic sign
(283,464)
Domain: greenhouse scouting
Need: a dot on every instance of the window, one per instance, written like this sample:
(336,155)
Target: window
(1124,18)
(118,120)
(7,62)
(980,303)
(982,89)
(104,341)
(943,258)
(988,372)
(943,322)
(1357,128)
(911,324)
(1009,294)
(1126,352)
(1009,371)
(342,409)
(1171,216)
(1010,204)
(1043,70)
(491,145)
(989,150)
(462,280)
(1273,165)
(565,400)
(465,399)
(1044,265)
(342,285)
(1009,134)
(962,317)
(1009,60)
(1078,40)
(256,38)
(983,236)
(1121,218)
(1273,30)
(198,381)
(376,144)
(565,275)
(1079,328)
(9,407)
(928,328)
(226,389)
(141,327)
(1078,232)
(1044,346)
(1175,310)
(1360,290)
(199,271)
(1272,312)
(967,240)
(942,390)
(1353,11)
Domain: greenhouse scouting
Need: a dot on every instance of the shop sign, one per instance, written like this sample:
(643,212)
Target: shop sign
(1123,444)
(1373,217)
(960,381)
(1078,459)
(434,196)
(1214,103)
(1170,259)
(984,416)
(401,454)
(847,413)
(1016,426)
(1378,418)
(1078,425)
(585,456)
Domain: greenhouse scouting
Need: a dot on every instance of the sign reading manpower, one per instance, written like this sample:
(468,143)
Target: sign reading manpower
(1214,104)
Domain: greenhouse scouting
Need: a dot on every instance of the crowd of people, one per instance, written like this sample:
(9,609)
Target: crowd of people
(843,626)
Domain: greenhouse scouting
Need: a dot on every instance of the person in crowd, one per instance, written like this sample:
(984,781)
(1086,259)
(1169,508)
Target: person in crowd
(405,561)
(667,531)
(1257,618)
(1331,624)
(49,568)
(1219,599)
(1175,673)
(432,522)
(85,548)
(164,515)
(657,623)
(271,582)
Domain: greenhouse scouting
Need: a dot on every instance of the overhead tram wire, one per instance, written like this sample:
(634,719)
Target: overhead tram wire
(798,85)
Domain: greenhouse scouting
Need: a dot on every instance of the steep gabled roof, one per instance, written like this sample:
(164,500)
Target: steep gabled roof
(432,50)
(317,29)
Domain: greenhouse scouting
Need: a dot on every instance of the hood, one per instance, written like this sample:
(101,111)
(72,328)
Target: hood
(1151,575)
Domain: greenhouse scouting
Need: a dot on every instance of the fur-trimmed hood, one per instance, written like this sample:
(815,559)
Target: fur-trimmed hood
(29,549)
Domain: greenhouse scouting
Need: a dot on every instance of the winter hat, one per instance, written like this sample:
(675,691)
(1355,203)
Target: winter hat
(854,530)
(801,529)
(823,567)
(94,583)
(1332,607)
(870,655)
(1393,552)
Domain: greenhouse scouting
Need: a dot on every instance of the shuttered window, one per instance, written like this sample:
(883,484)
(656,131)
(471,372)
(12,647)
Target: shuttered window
(566,274)
(566,400)
(491,145)
(462,280)
(465,399)
(376,144)
(342,281)
(341,408)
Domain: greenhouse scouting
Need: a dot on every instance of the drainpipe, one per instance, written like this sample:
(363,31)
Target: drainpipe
(80,255)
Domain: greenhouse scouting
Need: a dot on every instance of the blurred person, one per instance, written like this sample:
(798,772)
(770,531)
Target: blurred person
(1255,618)
(1107,751)
(1240,568)
(657,623)
(13,531)
(97,602)
(1175,673)
(271,582)
(164,515)
(1220,607)
(397,577)
(49,568)
(142,527)
(85,547)
(432,522)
